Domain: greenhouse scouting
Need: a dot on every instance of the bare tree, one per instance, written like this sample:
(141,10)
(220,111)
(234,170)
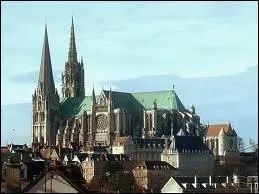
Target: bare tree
(253,144)
(240,143)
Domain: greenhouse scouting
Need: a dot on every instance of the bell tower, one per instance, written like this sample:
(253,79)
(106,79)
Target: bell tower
(73,76)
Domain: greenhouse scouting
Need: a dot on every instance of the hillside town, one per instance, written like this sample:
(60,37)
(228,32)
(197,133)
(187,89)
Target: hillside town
(117,142)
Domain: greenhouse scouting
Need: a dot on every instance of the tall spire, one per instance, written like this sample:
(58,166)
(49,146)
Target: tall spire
(72,55)
(46,80)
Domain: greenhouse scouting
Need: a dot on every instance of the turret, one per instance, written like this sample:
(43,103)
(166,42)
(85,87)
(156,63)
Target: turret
(110,101)
(222,142)
(193,110)
(93,97)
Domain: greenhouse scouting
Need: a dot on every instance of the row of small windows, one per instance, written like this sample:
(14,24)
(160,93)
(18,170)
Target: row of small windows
(195,151)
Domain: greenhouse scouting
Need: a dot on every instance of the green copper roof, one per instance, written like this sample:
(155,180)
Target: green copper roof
(75,106)
(132,102)
(164,99)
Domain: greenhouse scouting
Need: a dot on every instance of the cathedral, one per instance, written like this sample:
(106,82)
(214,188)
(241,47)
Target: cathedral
(72,117)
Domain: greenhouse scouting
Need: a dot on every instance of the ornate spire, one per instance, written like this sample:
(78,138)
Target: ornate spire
(46,80)
(72,54)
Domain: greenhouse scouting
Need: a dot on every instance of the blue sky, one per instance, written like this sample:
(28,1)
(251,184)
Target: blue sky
(122,40)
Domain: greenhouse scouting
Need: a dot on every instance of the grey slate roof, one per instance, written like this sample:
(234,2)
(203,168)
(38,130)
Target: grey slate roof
(157,165)
(153,143)
(190,143)
(110,157)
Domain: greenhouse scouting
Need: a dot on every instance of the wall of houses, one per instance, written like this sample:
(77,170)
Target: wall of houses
(148,154)
(200,163)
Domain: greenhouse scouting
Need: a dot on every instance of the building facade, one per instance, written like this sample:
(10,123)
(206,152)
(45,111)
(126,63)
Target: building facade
(190,155)
(100,119)
(152,175)
(221,139)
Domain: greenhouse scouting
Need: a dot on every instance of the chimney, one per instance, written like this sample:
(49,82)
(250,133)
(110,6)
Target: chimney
(13,177)
(210,181)
(166,143)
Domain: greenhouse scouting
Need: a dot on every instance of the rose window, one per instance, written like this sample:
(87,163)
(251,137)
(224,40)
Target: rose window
(102,122)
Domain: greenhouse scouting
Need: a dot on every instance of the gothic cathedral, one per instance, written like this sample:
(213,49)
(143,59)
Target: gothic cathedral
(100,119)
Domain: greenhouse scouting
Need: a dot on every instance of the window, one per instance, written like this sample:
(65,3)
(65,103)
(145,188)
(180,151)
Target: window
(22,174)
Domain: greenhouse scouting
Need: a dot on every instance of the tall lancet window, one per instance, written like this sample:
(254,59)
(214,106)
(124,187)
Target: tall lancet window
(149,121)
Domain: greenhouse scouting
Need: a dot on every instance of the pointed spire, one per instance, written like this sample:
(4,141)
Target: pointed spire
(46,80)
(72,54)
(82,61)
(110,96)
(93,96)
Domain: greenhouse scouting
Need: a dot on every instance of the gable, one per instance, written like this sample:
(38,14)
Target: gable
(102,99)
(171,187)
(59,185)
(214,130)
(75,159)
(54,155)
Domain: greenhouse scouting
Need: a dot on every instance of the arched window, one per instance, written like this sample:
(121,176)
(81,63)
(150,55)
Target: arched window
(67,93)
(42,116)
(41,139)
(39,105)
(35,117)
(102,101)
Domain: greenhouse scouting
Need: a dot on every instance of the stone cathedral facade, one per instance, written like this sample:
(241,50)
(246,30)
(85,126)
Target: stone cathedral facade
(100,119)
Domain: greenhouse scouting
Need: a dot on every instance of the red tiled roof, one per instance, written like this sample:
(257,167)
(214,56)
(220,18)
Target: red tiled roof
(213,130)
(4,149)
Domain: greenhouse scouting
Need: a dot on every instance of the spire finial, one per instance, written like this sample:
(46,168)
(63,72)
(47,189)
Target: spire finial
(173,86)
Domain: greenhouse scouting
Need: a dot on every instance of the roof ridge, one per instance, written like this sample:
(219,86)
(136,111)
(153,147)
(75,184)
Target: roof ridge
(152,91)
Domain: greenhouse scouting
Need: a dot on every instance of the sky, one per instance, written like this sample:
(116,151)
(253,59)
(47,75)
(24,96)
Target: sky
(123,40)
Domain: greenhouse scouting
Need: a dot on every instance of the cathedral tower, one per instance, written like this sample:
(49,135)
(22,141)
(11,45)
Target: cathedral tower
(73,76)
(45,101)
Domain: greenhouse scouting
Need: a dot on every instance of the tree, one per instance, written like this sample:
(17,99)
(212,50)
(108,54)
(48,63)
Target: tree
(240,144)
(253,144)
